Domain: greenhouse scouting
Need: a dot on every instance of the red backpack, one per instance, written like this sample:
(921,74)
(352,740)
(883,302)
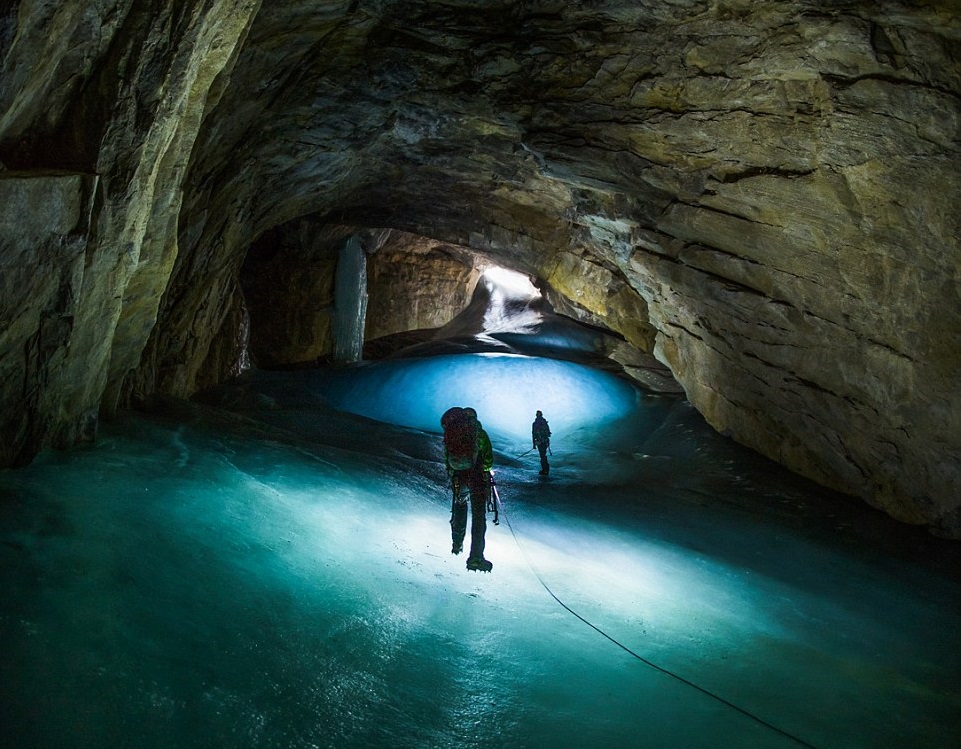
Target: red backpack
(460,437)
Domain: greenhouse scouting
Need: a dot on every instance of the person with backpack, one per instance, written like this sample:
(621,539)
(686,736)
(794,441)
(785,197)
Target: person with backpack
(541,437)
(469,458)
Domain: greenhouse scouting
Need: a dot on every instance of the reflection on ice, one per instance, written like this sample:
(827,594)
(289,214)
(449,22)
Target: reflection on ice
(270,572)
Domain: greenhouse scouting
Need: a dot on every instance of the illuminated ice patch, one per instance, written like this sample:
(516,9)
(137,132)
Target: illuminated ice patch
(505,389)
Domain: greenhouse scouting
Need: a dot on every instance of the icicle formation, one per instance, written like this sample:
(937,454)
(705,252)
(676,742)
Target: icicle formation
(350,301)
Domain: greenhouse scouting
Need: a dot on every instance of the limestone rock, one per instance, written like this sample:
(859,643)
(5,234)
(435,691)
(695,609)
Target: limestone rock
(44,225)
(415,283)
(763,195)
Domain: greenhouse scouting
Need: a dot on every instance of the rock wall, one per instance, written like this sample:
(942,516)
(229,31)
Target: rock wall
(115,91)
(287,281)
(415,283)
(44,226)
(762,194)
(288,285)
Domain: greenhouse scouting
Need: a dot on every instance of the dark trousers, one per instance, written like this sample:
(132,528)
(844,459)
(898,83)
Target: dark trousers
(471,487)
(542,449)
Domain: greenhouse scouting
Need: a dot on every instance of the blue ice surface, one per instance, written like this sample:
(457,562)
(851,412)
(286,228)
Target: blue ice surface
(505,389)
(258,569)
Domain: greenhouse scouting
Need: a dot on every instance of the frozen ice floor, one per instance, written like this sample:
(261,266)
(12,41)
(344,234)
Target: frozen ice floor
(261,571)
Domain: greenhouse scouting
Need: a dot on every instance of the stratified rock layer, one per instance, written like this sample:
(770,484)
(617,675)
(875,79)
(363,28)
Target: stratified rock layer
(762,194)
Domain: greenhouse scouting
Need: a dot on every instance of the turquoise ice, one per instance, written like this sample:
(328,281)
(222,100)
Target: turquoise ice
(261,569)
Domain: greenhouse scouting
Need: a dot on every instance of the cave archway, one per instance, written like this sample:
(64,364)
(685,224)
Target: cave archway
(764,196)
(414,288)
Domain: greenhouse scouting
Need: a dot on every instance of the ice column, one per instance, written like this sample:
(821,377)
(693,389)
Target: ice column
(350,301)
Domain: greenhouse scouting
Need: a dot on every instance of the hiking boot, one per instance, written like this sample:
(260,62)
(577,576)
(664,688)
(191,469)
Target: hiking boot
(479,564)
(457,548)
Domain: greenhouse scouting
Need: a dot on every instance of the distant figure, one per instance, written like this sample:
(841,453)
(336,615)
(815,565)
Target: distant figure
(541,437)
(469,459)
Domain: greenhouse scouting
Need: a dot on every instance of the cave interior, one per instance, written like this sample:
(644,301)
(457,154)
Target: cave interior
(715,240)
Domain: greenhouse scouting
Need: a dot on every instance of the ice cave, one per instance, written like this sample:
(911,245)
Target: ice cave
(250,253)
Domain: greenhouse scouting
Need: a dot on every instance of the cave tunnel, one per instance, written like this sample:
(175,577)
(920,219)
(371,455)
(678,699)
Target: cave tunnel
(252,251)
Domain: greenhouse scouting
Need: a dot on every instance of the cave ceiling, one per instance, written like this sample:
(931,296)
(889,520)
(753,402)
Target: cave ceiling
(761,194)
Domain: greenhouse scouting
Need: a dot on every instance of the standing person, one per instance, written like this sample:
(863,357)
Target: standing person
(469,459)
(541,437)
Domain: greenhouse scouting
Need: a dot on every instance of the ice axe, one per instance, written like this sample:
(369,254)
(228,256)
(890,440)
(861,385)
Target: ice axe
(495,501)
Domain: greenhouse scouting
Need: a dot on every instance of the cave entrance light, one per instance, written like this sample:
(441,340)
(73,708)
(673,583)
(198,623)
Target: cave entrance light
(511,294)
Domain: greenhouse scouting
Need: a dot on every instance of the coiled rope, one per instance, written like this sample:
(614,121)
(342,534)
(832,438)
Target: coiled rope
(642,659)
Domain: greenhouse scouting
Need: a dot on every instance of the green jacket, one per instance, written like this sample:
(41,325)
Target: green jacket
(484,450)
